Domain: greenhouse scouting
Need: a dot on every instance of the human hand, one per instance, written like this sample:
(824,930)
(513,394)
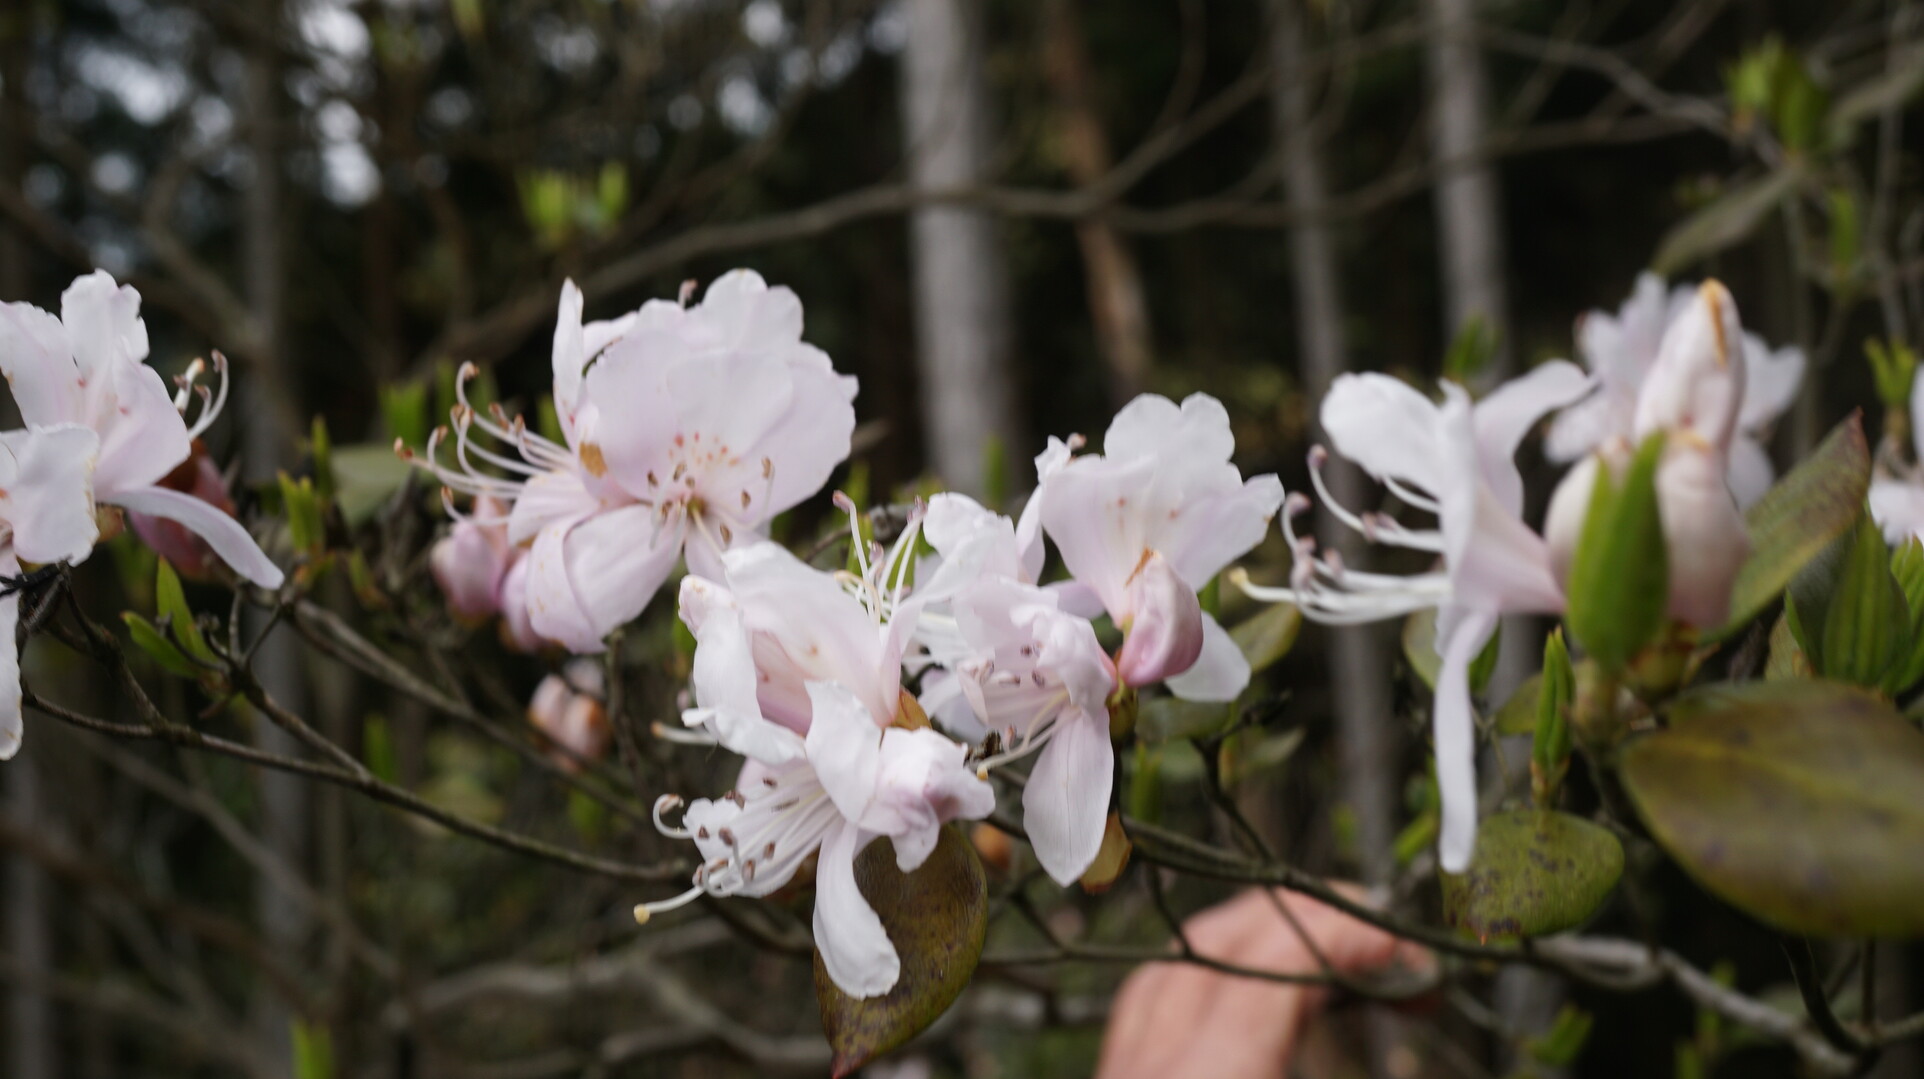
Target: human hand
(1174,1020)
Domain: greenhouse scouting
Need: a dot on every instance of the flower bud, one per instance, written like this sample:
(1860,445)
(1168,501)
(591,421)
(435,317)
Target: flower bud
(1697,380)
(188,553)
(1165,631)
(1570,505)
(567,710)
(1703,531)
(470,562)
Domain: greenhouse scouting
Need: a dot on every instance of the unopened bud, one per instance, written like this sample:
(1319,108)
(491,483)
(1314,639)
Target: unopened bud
(1697,381)
(1704,533)
(1165,633)
(517,626)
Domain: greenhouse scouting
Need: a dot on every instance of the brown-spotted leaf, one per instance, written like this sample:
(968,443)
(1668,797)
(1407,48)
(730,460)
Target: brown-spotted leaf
(1798,518)
(937,917)
(1801,802)
(1536,871)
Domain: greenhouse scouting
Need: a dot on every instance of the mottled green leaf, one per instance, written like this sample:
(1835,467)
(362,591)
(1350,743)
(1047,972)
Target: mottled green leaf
(937,918)
(1866,628)
(1727,221)
(1268,636)
(1798,518)
(1801,802)
(1535,872)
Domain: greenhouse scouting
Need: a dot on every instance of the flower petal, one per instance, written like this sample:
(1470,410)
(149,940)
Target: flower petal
(1066,804)
(1508,413)
(230,541)
(724,678)
(103,325)
(1749,471)
(37,360)
(48,495)
(1898,507)
(618,560)
(1219,674)
(1456,736)
(855,948)
(845,746)
(1384,425)
(11,727)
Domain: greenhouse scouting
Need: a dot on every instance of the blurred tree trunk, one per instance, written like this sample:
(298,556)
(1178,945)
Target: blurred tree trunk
(961,275)
(1468,202)
(1117,305)
(267,429)
(1358,667)
(29,929)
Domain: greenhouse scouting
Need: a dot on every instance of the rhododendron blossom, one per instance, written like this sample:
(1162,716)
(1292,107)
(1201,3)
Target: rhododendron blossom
(1028,670)
(1147,523)
(800,671)
(1457,461)
(684,431)
(1621,350)
(46,515)
(86,367)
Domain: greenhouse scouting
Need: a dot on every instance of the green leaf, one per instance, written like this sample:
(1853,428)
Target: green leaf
(1419,645)
(1787,658)
(313,1052)
(1796,801)
(1907,568)
(404,405)
(1867,629)
(1619,579)
(1550,744)
(170,602)
(155,643)
(366,476)
(1535,872)
(1518,715)
(1723,223)
(1268,636)
(937,917)
(1798,518)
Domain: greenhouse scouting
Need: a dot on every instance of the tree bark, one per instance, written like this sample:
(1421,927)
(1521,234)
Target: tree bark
(267,427)
(1467,198)
(961,276)
(1358,671)
(1118,307)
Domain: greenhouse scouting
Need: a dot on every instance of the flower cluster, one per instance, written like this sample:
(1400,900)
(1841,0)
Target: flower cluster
(1659,368)
(102,434)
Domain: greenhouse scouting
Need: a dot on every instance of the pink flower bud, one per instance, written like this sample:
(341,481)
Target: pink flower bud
(567,710)
(188,553)
(517,628)
(470,562)
(1165,631)
(1704,533)
(1697,380)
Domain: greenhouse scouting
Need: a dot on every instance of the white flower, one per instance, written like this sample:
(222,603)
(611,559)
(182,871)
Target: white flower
(1028,670)
(1695,396)
(801,672)
(46,515)
(1457,461)
(686,429)
(1148,522)
(86,368)
(1621,350)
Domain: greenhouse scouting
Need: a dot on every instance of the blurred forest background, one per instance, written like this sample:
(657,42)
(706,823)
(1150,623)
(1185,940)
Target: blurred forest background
(1006,217)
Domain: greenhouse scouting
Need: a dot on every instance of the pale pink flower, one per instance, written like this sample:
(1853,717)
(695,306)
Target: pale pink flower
(685,430)
(86,367)
(567,709)
(197,477)
(471,561)
(1897,502)
(1028,670)
(46,516)
(1455,460)
(1151,520)
(1622,348)
(800,671)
